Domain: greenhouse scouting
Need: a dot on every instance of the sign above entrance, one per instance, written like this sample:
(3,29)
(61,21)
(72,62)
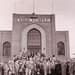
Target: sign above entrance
(33,19)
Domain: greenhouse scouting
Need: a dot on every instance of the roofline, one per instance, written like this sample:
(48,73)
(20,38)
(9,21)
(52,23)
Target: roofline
(63,31)
(34,14)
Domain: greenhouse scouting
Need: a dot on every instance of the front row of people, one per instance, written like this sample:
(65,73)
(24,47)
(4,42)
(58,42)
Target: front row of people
(36,64)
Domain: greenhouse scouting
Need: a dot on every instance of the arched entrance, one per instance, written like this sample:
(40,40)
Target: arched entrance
(28,33)
(34,41)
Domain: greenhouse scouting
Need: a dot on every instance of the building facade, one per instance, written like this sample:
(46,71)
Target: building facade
(34,33)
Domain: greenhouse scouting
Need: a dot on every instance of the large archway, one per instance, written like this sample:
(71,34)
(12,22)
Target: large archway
(42,37)
(34,41)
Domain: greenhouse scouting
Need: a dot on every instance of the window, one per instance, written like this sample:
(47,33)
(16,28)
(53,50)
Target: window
(34,40)
(61,48)
(6,49)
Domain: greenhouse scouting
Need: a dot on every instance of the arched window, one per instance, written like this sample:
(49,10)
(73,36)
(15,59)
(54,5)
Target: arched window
(61,48)
(7,49)
(34,40)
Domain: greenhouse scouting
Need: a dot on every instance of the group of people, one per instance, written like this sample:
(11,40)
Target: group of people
(32,64)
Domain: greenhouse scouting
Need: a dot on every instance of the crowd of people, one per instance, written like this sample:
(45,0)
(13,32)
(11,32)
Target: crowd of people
(35,64)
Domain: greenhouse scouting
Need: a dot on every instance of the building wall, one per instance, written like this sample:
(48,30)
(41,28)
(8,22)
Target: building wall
(64,37)
(52,36)
(4,36)
(19,24)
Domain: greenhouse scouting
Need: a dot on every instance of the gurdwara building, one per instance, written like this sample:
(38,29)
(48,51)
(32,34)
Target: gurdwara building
(34,33)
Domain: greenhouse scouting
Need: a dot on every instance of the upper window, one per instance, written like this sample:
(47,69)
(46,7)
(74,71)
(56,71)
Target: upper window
(6,49)
(61,48)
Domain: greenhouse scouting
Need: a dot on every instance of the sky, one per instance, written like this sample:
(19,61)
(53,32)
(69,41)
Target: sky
(64,11)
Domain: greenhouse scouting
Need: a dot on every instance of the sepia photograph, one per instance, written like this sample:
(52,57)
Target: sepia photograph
(37,37)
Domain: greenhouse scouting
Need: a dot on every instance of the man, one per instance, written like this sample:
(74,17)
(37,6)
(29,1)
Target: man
(11,67)
(58,69)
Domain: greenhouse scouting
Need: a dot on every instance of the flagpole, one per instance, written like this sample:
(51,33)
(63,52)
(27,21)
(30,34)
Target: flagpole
(52,6)
(33,6)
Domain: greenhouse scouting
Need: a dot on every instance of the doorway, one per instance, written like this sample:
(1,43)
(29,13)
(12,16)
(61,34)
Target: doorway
(34,41)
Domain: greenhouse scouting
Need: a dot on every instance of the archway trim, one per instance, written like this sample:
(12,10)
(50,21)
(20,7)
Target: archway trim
(24,37)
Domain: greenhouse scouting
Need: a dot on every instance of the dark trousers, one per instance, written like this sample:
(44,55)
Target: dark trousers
(13,74)
(20,73)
